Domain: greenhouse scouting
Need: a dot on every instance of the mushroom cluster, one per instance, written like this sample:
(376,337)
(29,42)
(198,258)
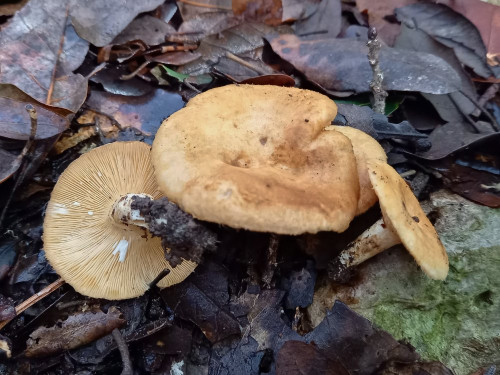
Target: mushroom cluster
(262,158)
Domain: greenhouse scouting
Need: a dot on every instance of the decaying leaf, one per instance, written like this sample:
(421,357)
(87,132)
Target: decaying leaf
(144,113)
(189,10)
(458,33)
(150,30)
(324,22)
(341,65)
(79,329)
(66,142)
(294,10)
(100,22)
(40,50)
(266,11)
(7,308)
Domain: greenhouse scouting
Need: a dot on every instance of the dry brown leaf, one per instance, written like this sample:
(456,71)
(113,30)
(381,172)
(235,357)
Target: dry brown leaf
(79,329)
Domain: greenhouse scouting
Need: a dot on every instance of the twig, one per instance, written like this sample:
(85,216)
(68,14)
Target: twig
(271,263)
(478,105)
(122,347)
(126,77)
(489,93)
(96,70)
(34,299)
(158,278)
(240,61)
(22,158)
(379,94)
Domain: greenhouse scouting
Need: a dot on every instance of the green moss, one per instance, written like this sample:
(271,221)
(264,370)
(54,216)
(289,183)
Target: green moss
(456,321)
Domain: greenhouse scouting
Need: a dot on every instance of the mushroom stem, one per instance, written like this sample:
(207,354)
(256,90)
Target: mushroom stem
(123,212)
(371,242)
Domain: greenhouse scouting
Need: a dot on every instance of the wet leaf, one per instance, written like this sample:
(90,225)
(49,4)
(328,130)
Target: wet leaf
(453,137)
(239,40)
(110,79)
(203,300)
(341,65)
(378,13)
(459,33)
(150,30)
(40,50)
(79,329)
(324,22)
(345,335)
(15,122)
(100,22)
(265,11)
(300,358)
(7,308)
(485,16)
(144,113)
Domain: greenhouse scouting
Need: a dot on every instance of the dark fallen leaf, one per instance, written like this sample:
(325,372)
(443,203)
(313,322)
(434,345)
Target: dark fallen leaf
(294,10)
(451,107)
(324,22)
(10,161)
(300,358)
(478,186)
(110,79)
(36,61)
(270,79)
(190,11)
(15,122)
(238,40)
(174,58)
(203,299)
(416,368)
(485,17)
(378,13)
(144,113)
(204,24)
(451,29)
(100,22)
(300,287)
(7,308)
(265,11)
(8,253)
(29,268)
(5,346)
(150,30)
(453,137)
(344,335)
(387,130)
(79,329)
(356,117)
(341,65)
(171,341)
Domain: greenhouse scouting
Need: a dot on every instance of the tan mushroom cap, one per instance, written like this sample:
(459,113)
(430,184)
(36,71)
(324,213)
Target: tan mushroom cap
(259,158)
(80,234)
(402,214)
(365,148)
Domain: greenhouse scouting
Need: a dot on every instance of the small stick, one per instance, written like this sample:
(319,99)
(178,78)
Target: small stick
(379,94)
(126,77)
(122,347)
(271,263)
(34,299)
(158,278)
(240,61)
(25,155)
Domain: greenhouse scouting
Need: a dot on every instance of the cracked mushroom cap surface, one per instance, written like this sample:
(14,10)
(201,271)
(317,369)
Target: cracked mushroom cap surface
(259,158)
(403,214)
(84,243)
(365,148)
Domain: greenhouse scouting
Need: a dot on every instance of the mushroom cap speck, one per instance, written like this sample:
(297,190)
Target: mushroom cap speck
(258,158)
(365,148)
(80,235)
(403,215)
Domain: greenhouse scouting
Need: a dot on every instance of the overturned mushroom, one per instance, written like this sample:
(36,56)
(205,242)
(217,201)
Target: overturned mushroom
(365,148)
(93,237)
(259,158)
(403,221)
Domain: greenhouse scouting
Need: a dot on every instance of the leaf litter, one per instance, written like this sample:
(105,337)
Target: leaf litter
(123,68)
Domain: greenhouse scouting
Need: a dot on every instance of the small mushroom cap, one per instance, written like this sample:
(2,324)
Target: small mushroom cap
(365,148)
(80,234)
(258,157)
(403,214)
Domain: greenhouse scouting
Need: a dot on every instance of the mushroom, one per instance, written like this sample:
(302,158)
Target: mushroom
(403,221)
(259,158)
(365,148)
(86,238)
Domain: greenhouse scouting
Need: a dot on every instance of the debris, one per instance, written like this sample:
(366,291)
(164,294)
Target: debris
(377,82)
